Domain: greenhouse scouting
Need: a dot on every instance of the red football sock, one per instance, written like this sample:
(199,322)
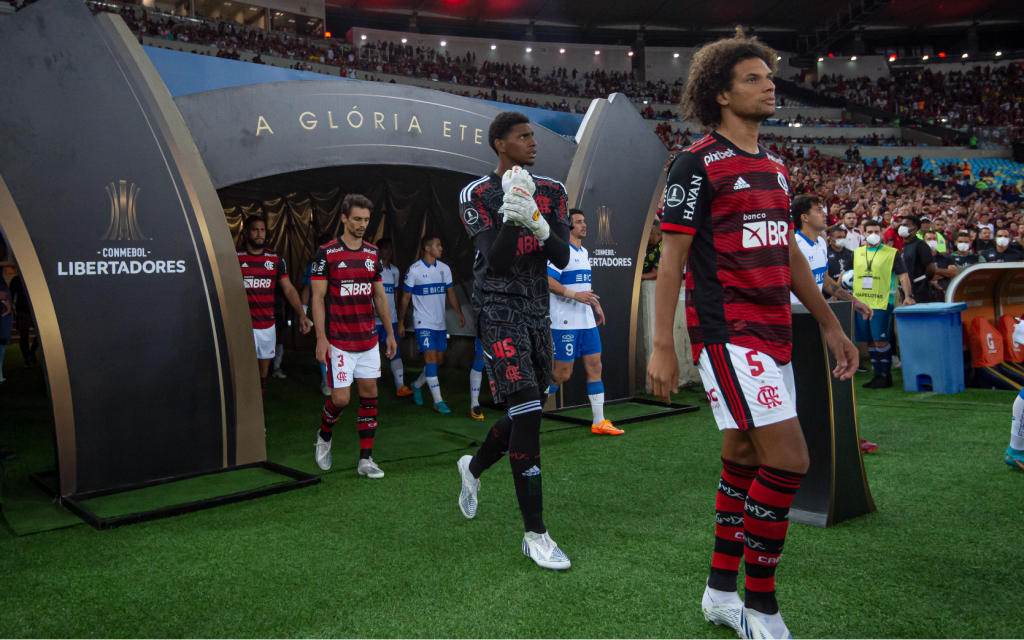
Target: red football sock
(367,426)
(329,416)
(765,521)
(732,493)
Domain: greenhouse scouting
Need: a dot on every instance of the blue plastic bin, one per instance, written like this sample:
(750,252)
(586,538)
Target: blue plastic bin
(931,346)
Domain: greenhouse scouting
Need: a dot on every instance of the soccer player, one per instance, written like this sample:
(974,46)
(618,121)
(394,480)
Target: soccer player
(262,270)
(515,233)
(734,224)
(347,292)
(426,283)
(389,278)
(575,316)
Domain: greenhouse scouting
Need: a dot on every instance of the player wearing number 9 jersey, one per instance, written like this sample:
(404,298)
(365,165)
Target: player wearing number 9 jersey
(727,207)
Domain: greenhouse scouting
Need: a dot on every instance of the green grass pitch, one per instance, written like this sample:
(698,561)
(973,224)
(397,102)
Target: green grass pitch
(395,558)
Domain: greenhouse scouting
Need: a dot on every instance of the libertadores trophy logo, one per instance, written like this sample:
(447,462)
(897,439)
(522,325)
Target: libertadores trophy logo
(124,224)
(604,226)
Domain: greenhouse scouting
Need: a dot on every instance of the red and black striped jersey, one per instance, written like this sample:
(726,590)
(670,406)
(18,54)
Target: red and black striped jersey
(350,275)
(260,272)
(736,206)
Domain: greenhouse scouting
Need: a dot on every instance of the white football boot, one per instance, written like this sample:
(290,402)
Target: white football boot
(323,452)
(540,548)
(470,485)
(369,469)
(723,608)
(760,626)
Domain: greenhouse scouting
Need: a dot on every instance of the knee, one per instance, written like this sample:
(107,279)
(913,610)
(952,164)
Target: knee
(339,400)
(594,370)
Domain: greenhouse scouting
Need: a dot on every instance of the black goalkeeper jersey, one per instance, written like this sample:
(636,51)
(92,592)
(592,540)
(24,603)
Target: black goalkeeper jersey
(525,287)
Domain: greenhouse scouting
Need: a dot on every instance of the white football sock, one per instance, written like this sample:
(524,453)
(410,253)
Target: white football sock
(597,406)
(420,380)
(435,388)
(1017,430)
(475,379)
(278,357)
(398,371)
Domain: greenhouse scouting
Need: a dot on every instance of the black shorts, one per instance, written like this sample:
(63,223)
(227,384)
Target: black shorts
(517,350)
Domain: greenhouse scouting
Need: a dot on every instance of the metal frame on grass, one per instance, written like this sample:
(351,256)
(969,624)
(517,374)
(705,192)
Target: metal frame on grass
(674,409)
(48,482)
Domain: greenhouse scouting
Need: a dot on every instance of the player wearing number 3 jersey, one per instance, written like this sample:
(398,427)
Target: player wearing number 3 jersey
(516,228)
(347,293)
(727,207)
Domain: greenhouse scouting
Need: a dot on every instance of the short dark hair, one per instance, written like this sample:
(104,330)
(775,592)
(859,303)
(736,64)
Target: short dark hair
(914,219)
(251,220)
(963,232)
(872,223)
(427,241)
(711,73)
(502,124)
(355,200)
(576,212)
(803,204)
(385,242)
(837,229)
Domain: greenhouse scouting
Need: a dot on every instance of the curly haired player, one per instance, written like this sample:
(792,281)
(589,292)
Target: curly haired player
(727,206)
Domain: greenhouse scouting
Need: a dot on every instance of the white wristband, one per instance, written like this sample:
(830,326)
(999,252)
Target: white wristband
(304,310)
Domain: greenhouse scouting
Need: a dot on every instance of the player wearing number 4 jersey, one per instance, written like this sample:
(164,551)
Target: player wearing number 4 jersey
(262,270)
(347,293)
(516,229)
(727,208)
(574,306)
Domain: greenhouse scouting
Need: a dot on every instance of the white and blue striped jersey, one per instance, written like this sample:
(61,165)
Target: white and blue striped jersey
(428,285)
(389,278)
(817,256)
(568,314)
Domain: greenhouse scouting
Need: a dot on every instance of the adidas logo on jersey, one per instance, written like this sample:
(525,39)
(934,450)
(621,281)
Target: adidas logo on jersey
(532,471)
(740,184)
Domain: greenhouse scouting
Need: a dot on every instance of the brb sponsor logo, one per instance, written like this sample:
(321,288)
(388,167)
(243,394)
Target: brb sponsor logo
(258,283)
(355,289)
(764,233)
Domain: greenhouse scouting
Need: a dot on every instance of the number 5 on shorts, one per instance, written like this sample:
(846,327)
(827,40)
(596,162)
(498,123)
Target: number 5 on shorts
(756,368)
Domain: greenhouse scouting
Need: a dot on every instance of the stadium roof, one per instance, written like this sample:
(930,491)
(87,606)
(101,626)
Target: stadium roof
(707,14)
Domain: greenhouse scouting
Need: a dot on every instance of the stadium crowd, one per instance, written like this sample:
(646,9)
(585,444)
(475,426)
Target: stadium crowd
(981,96)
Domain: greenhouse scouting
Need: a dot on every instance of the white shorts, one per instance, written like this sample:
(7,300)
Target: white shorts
(343,366)
(746,388)
(266,342)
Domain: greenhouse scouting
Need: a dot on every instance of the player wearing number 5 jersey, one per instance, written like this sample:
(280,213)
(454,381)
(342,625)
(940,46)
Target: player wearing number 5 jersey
(727,208)
(575,315)
(516,229)
(347,293)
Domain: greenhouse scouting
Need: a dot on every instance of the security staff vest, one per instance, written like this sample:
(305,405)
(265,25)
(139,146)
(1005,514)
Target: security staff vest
(877,297)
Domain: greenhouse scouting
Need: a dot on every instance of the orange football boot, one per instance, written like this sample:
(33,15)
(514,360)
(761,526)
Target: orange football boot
(404,391)
(606,428)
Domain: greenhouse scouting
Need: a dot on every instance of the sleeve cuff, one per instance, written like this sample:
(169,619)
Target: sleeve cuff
(406,287)
(317,277)
(554,274)
(678,228)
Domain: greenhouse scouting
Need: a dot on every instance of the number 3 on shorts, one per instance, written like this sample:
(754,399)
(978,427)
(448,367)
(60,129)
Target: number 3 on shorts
(756,368)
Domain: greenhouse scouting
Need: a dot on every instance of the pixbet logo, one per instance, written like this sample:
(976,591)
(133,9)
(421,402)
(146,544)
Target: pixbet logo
(757,235)
(715,156)
(355,289)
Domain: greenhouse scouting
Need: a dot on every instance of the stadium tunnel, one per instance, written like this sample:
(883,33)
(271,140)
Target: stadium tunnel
(411,151)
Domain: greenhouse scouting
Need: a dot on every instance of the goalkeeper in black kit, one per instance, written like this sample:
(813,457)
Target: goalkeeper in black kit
(517,222)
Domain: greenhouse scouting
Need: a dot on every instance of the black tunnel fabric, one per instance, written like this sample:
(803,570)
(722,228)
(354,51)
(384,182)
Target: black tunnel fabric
(302,211)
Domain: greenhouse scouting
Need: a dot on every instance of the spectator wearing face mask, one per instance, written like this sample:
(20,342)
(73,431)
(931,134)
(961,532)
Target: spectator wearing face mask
(840,259)
(926,226)
(918,259)
(1002,251)
(963,257)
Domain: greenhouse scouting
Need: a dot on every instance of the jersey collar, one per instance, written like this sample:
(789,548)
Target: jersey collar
(429,266)
(806,239)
